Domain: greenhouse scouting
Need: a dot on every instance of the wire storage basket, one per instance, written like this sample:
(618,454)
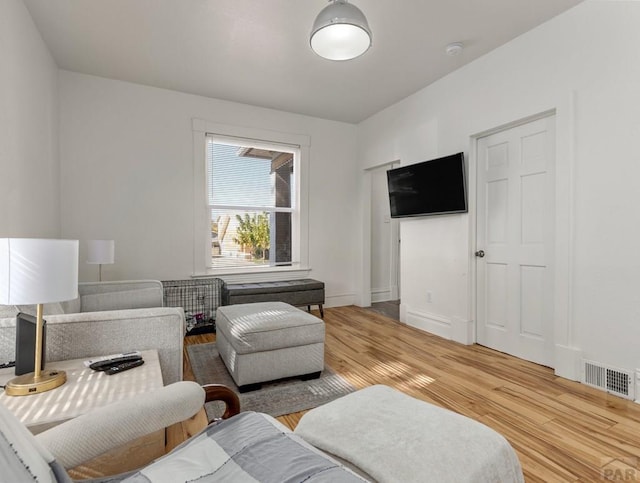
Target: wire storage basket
(199,298)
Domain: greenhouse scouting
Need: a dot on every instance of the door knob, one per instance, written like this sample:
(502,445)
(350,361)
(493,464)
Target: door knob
(480,253)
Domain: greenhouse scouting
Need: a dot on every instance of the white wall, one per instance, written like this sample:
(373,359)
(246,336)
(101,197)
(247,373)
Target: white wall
(585,64)
(127,174)
(29,179)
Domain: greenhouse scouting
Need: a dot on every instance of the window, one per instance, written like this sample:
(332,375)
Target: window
(251,201)
(243,171)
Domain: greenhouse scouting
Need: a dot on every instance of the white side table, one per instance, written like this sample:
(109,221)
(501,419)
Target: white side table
(84,390)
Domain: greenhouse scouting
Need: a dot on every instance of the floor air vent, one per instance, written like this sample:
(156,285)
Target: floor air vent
(614,381)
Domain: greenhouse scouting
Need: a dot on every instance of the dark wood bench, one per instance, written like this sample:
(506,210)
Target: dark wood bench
(304,292)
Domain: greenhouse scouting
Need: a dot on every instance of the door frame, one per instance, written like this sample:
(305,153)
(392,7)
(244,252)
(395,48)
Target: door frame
(566,356)
(364,300)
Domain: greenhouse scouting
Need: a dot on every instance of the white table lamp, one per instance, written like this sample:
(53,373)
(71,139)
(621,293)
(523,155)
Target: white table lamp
(100,252)
(37,271)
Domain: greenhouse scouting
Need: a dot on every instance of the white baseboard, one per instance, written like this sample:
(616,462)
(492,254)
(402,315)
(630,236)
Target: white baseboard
(339,300)
(463,331)
(380,295)
(567,361)
(432,323)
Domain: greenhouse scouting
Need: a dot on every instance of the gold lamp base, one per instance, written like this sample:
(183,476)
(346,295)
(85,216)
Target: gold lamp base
(30,384)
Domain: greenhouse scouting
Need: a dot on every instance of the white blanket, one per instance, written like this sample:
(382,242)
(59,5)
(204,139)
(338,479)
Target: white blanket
(396,438)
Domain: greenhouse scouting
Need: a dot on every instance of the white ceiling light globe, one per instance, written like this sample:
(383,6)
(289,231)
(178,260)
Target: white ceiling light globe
(340,32)
(340,42)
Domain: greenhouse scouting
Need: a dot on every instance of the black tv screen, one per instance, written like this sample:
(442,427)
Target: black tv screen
(434,187)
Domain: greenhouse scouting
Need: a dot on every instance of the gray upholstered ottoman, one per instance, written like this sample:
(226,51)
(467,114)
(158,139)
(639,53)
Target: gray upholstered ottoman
(269,340)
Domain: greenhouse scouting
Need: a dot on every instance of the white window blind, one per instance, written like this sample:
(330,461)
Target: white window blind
(251,200)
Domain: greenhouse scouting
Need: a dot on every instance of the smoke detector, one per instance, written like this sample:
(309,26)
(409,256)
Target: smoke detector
(454,48)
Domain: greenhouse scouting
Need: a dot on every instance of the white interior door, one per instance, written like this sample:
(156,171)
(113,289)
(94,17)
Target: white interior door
(515,240)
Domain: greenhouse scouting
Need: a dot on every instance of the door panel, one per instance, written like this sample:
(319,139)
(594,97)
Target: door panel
(497,313)
(532,294)
(497,204)
(515,216)
(532,219)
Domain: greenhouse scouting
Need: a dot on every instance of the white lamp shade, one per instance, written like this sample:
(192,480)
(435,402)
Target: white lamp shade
(101,252)
(340,32)
(38,271)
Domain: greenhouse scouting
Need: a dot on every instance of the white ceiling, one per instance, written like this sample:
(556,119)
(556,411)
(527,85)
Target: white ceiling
(257,51)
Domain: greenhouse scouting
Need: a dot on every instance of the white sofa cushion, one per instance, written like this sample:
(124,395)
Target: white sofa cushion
(71,306)
(130,299)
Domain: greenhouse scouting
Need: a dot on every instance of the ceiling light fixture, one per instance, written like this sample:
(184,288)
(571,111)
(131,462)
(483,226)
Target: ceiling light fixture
(340,32)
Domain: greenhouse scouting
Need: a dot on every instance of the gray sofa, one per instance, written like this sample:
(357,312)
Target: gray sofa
(107,318)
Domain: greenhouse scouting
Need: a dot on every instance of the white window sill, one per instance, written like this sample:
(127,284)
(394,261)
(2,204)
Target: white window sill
(270,274)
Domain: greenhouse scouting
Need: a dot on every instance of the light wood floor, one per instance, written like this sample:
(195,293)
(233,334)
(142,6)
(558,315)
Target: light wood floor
(561,430)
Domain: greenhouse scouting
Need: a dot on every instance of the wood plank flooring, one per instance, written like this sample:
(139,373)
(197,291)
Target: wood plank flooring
(561,430)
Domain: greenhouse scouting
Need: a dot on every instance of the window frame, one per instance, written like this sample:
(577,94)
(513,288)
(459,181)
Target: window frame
(272,210)
(202,225)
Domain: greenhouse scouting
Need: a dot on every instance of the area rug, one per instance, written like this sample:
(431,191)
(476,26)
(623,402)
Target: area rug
(277,398)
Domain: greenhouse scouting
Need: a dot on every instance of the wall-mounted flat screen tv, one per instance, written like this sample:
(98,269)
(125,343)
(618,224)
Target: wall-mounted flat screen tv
(434,187)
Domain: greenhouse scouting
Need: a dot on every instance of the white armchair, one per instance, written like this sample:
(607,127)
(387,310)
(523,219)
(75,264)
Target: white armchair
(108,318)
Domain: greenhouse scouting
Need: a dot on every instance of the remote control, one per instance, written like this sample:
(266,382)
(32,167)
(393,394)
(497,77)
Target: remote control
(111,357)
(104,365)
(125,366)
